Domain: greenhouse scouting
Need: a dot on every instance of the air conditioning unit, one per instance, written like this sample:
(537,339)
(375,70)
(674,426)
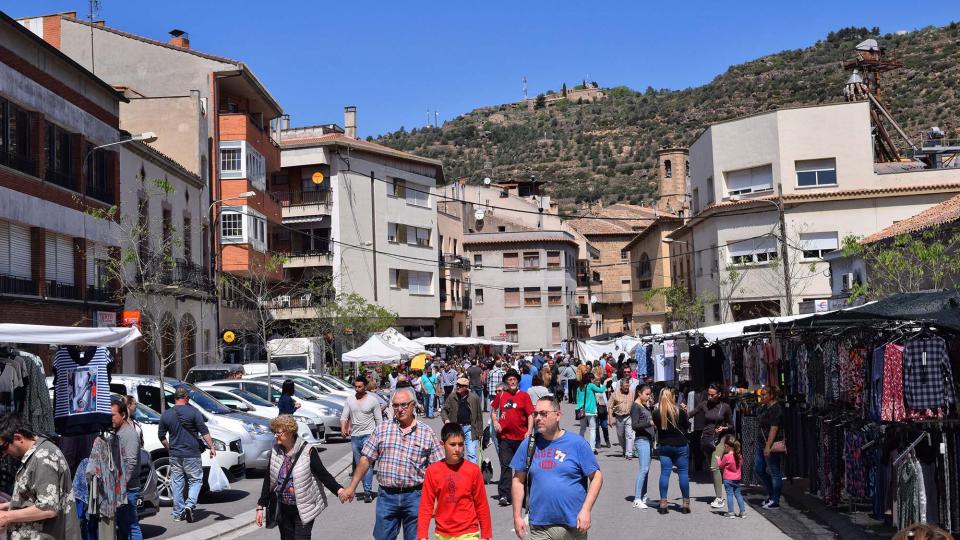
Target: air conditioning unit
(846,281)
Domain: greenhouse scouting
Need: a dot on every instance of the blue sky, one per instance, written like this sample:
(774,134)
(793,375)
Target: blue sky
(395,60)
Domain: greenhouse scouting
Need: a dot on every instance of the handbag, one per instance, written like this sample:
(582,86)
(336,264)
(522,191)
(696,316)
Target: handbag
(778,447)
(579,414)
(273,500)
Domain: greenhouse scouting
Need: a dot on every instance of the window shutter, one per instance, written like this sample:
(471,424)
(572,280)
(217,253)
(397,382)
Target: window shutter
(65,254)
(511,260)
(5,248)
(95,252)
(20,255)
(401,233)
(50,271)
(403,280)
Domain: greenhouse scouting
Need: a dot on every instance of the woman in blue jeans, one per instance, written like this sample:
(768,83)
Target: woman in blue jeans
(641,419)
(671,424)
(768,460)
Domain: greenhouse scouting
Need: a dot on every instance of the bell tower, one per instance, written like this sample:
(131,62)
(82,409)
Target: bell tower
(673,173)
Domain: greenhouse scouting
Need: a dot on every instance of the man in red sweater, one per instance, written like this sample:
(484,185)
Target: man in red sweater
(453,492)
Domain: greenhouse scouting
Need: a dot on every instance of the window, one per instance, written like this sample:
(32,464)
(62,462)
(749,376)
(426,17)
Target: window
(98,266)
(231,225)
(511,261)
(625,281)
(624,255)
(755,180)
(555,296)
(397,233)
(501,228)
(695,201)
(240,160)
(256,171)
(688,167)
(753,251)
(231,161)
(187,239)
(531,297)
(512,332)
(555,333)
(418,195)
(420,282)
(511,297)
(480,330)
(478,294)
(668,169)
(553,259)
(59,264)
(716,312)
(644,272)
(531,260)
(16,138)
(399,188)
(100,174)
(423,237)
(59,163)
(167,232)
(15,257)
(816,172)
(816,245)
(477,260)
(399,279)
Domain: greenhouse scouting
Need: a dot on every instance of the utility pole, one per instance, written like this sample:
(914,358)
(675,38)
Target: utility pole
(784,253)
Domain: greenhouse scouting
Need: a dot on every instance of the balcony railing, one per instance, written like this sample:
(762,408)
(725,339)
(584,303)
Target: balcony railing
(106,296)
(55,289)
(448,260)
(308,258)
(301,198)
(17,285)
(183,273)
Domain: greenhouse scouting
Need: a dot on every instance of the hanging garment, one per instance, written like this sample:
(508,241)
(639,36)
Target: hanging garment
(927,376)
(105,464)
(910,505)
(683,368)
(891,408)
(640,355)
(38,407)
(82,390)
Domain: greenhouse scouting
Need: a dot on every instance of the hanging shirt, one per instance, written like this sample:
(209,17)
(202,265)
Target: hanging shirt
(82,392)
(927,377)
(640,354)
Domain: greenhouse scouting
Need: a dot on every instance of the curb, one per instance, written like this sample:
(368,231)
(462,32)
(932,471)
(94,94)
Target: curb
(243,523)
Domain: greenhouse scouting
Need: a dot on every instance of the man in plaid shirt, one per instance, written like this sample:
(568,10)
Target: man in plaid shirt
(402,449)
(494,378)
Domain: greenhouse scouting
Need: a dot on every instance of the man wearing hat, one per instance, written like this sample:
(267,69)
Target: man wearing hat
(464,408)
(512,419)
(189,437)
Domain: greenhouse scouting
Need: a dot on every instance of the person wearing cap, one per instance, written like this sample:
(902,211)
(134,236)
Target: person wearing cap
(464,408)
(189,437)
(512,420)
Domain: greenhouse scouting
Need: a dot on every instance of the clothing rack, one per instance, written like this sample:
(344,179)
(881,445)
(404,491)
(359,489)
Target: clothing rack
(925,435)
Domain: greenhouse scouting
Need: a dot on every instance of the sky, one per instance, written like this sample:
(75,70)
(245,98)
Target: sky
(395,61)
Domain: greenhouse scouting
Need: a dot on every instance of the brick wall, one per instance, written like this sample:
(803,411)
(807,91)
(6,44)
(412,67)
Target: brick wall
(51,30)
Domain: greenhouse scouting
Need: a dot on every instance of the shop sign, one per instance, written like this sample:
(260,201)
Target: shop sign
(106,319)
(131,318)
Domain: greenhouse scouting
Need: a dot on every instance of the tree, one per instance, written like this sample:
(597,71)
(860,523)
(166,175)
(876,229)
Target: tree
(907,263)
(540,102)
(563,89)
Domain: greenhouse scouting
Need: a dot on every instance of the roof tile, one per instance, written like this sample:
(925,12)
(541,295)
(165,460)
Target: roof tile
(941,214)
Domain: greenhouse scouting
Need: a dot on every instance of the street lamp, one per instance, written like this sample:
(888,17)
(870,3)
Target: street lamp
(241,195)
(784,254)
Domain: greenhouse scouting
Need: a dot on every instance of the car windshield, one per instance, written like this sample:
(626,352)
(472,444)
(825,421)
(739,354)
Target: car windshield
(298,390)
(338,383)
(290,363)
(146,415)
(252,398)
(307,382)
(204,400)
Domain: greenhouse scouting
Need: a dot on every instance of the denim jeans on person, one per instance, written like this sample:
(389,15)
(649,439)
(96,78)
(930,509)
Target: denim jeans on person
(470,445)
(357,443)
(128,522)
(625,434)
(670,456)
(734,490)
(642,445)
(185,473)
(428,402)
(396,512)
(602,427)
(588,430)
(768,469)
(289,524)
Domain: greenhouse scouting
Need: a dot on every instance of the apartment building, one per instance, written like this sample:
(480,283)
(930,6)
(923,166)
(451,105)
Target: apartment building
(817,164)
(365,216)
(454,218)
(53,116)
(212,115)
(524,284)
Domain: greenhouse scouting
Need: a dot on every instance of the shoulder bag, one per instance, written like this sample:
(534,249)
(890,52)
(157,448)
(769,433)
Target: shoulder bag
(273,501)
(196,434)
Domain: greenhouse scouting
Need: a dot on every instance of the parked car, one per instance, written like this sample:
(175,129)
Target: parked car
(311,381)
(326,407)
(253,431)
(212,372)
(310,425)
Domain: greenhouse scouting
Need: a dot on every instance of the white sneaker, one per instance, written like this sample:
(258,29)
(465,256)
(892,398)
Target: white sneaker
(645,501)
(640,505)
(718,503)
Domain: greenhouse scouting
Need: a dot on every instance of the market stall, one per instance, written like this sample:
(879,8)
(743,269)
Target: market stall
(387,347)
(469,347)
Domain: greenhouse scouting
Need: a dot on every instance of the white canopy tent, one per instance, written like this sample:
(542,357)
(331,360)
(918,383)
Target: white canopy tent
(461,341)
(732,329)
(387,347)
(592,349)
(67,335)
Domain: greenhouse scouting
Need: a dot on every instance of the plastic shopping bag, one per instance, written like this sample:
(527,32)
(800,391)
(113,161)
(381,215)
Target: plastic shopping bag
(217,480)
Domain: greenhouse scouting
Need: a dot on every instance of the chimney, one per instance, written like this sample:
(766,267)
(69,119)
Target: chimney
(179,38)
(350,121)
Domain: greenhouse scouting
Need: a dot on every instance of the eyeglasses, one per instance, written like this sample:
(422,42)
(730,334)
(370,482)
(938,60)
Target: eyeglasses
(542,414)
(402,405)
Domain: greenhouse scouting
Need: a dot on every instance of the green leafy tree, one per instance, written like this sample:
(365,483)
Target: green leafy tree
(540,102)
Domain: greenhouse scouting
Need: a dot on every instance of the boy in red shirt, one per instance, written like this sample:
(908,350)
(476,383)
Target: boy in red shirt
(453,491)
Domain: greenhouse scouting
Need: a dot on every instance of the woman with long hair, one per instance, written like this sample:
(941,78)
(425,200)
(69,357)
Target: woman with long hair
(717,417)
(587,402)
(642,422)
(671,423)
(286,403)
(771,446)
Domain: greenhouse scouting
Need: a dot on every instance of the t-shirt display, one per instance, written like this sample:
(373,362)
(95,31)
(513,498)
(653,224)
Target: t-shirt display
(82,383)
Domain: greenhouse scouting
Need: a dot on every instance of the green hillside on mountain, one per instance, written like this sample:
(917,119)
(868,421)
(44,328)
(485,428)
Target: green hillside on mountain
(607,149)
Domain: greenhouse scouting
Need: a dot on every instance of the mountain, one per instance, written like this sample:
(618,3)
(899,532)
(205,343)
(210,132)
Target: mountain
(607,149)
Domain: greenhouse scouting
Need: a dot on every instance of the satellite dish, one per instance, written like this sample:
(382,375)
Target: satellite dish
(487,181)
(478,215)
(594,299)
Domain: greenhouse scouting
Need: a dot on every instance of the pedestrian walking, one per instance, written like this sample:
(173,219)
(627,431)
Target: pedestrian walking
(128,522)
(620,403)
(475,374)
(538,389)
(453,492)
(360,417)
(729,465)
(494,379)
(587,404)
(297,482)
(771,446)
(42,503)
(603,426)
(463,409)
(567,374)
(401,451)
(428,382)
(512,420)
(641,419)
(671,424)
(565,480)
(717,416)
(449,381)
(188,433)
(286,403)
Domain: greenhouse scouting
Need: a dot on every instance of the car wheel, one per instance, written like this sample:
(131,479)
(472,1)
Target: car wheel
(164,482)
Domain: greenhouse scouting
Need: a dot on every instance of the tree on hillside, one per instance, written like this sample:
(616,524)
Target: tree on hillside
(563,89)
(540,102)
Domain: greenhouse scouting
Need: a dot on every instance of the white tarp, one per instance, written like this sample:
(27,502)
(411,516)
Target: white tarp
(67,335)
(732,329)
(387,347)
(591,350)
(461,341)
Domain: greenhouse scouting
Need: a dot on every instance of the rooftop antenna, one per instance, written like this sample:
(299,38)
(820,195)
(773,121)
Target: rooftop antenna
(436,118)
(428,117)
(94,12)
(524,80)
(869,62)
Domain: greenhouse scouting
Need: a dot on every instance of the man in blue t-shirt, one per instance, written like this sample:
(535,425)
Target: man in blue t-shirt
(189,437)
(564,483)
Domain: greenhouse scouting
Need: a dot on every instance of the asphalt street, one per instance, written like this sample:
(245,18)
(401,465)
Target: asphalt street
(613,518)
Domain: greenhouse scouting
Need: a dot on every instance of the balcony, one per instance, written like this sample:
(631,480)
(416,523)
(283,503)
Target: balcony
(448,260)
(20,162)
(308,259)
(299,206)
(182,274)
(287,307)
(17,285)
(102,296)
(55,289)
